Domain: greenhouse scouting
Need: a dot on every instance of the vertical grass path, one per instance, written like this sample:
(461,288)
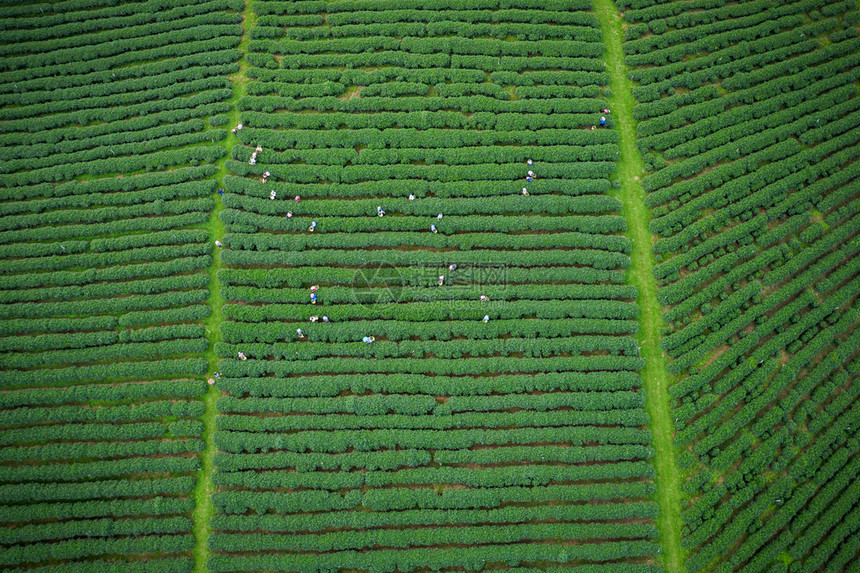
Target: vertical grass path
(203,508)
(654,377)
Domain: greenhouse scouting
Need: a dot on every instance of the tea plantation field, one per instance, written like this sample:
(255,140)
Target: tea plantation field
(749,121)
(108,148)
(381,285)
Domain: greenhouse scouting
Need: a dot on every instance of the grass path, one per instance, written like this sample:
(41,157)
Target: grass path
(654,376)
(203,508)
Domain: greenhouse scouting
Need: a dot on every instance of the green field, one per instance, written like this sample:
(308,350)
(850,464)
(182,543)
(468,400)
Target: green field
(422,311)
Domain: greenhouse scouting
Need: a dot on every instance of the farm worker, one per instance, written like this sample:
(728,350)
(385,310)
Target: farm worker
(484,298)
(218,244)
(525,192)
(299,332)
(314,288)
(313,298)
(289,214)
(211,381)
(263,180)
(272,195)
(242,356)
(486,318)
(368,339)
(220,191)
(266,174)
(606,110)
(531,173)
(239,126)
(433,228)
(233,131)
(439,216)
(379,211)
(452,267)
(411,197)
(217,375)
(529,178)
(252,161)
(441,280)
(602,120)
(298,198)
(529,162)
(259,149)
(325,319)
(314,318)
(312,227)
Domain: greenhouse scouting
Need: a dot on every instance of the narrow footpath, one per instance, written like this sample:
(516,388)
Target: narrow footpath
(203,507)
(654,377)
